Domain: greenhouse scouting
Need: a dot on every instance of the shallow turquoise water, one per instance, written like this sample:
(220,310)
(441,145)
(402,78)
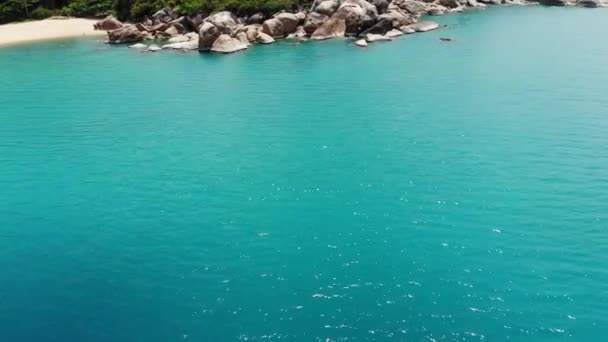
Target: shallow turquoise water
(412,191)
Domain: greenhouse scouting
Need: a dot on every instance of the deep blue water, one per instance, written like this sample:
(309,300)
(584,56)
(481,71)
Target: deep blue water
(413,191)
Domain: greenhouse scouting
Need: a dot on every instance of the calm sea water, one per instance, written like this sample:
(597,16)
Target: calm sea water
(413,191)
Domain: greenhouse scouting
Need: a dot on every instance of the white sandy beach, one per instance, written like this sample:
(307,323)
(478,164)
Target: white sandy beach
(31,31)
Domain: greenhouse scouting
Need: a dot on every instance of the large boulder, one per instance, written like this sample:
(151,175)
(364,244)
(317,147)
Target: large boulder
(263,38)
(327,7)
(126,34)
(424,26)
(397,18)
(313,21)
(358,15)
(179,39)
(107,24)
(252,31)
(257,18)
(208,33)
(274,28)
(163,16)
(242,37)
(554,2)
(334,27)
(449,3)
(381,5)
(411,6)
(290,22)
(196,21)
(226,44)
(225,21)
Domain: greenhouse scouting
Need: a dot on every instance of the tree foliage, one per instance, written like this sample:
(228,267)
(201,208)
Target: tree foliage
(14,10)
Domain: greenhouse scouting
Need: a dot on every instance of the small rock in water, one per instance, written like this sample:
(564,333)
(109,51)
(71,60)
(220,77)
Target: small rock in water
(153,48)
(407,29)
(138,46)
(424,26)
(371,37)
(394,33)
(361,43)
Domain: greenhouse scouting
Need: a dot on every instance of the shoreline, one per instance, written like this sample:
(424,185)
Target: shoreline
(48,29)
(170,31)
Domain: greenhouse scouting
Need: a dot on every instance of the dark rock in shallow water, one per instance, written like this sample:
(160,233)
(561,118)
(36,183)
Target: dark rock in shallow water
(554,2)
(381,27)
(589,3)
(449,3)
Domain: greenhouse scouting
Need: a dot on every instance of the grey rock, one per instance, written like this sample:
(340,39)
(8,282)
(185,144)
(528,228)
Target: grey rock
(424,26)
(290,22)
(274,28)
(126,34)
(138,46)
(313,21)
(370,37)
(226,44)
(225,21)
(394,33)
(327,7)
(263,38)
(107,24)
(208,33)
(334,27)
(189,45)
(257,18)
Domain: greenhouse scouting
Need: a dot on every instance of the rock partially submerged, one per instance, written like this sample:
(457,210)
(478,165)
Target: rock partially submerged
(371,37)
(263,38)
(424,26)
(208,33)
(334,27)
(361,43)
(138,46)
(226,44)
(126,34)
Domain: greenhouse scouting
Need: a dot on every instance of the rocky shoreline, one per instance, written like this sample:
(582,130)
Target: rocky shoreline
(370,21)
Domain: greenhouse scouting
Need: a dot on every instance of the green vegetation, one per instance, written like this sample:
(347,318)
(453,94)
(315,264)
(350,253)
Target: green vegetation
(14,10)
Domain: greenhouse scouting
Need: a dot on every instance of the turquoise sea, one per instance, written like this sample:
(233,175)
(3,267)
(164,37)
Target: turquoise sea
(413,191)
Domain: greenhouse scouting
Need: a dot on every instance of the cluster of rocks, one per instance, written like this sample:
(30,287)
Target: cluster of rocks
(223,32)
